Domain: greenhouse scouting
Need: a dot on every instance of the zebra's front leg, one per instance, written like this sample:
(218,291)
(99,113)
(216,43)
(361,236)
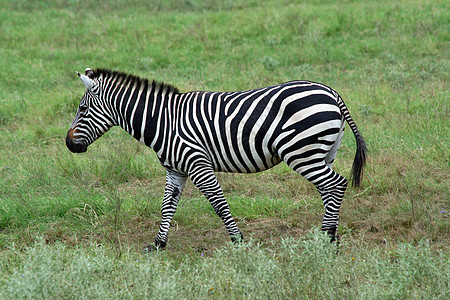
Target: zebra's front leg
(175,183)
(205,180)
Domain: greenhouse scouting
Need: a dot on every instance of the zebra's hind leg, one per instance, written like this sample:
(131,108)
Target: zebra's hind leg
(332,194)
(175,183)
(205,180)
(331,187)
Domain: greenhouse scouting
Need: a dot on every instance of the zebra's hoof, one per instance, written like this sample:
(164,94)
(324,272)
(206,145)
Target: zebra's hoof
(334,238)
(332,233)
(155,247)
(149,248)
(237,238)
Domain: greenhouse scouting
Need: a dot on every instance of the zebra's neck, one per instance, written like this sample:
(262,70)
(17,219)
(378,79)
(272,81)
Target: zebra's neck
(138,105)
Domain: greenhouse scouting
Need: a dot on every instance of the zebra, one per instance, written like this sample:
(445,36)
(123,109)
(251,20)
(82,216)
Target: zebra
(196,134)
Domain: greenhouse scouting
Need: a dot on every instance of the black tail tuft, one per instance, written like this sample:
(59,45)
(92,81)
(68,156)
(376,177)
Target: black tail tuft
(359,161)
(361,149)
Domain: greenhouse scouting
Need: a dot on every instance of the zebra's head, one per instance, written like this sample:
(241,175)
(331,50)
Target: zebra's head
(91,119)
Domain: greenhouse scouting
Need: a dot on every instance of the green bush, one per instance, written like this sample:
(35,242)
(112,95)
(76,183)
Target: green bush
(305,268)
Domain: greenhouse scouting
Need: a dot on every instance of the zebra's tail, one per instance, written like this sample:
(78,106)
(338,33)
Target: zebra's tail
(361,149)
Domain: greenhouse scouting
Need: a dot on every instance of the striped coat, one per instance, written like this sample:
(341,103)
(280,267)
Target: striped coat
(198,133)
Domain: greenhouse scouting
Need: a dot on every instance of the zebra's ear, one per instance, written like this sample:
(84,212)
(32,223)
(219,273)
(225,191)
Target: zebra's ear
(88,82)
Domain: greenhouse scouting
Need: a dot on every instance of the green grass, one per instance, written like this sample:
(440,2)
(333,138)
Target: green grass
(294,268)
(389,61)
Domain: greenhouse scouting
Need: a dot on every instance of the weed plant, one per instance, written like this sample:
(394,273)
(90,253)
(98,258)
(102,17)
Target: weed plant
(296,268)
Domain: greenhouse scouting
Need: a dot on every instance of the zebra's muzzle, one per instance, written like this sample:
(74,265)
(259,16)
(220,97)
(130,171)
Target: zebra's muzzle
(74,147)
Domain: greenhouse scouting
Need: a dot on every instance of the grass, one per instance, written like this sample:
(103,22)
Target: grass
(294,268)
(71,220)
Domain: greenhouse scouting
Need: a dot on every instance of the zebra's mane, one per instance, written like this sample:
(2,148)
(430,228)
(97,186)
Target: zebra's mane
(127,77)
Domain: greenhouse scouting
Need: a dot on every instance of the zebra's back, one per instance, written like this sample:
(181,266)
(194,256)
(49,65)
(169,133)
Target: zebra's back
(248,131)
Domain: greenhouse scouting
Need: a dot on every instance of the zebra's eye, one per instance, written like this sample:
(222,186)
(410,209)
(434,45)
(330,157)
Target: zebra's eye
(83,108)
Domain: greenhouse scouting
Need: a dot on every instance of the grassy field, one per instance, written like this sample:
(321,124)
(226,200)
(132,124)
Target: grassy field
(73,226)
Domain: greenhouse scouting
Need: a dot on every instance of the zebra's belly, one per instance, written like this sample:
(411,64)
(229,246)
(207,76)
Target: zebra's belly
(246,164)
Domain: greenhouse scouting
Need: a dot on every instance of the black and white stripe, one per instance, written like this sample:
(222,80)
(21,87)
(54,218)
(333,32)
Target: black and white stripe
(198,133)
